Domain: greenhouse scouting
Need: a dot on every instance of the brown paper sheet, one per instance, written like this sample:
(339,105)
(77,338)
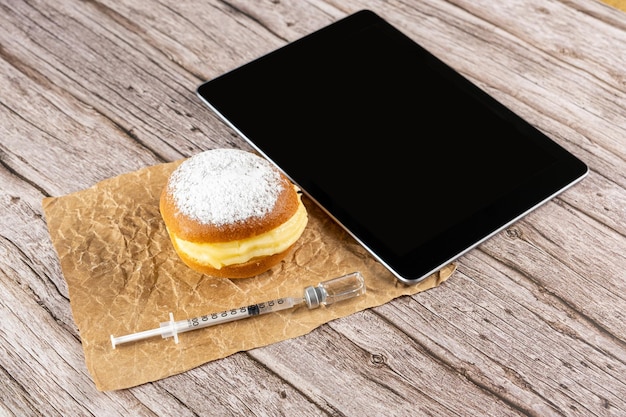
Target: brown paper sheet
(124,277)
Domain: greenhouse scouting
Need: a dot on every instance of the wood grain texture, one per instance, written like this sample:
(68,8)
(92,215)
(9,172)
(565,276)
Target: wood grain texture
(533,321)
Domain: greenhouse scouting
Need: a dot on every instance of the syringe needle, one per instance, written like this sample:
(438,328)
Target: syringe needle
(325,293)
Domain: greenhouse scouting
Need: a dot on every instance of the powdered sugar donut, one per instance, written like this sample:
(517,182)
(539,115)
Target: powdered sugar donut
(231,214)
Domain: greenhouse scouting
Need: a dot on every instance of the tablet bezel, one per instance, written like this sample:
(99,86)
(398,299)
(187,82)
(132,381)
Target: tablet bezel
(225,94)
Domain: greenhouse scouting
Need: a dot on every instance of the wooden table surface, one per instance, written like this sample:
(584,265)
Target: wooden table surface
(533,322)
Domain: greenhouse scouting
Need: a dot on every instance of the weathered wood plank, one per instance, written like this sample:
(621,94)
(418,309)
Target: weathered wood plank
(588,280)
(382,370)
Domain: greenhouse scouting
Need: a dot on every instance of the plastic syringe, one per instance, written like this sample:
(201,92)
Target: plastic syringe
(325,293)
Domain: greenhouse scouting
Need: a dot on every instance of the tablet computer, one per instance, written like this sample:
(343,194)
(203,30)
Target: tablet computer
(412,159)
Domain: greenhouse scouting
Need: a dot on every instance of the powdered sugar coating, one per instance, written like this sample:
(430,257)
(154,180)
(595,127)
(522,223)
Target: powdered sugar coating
(225,186)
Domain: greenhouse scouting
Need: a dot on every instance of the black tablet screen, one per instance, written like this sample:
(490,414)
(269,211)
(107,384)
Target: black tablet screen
(412,159)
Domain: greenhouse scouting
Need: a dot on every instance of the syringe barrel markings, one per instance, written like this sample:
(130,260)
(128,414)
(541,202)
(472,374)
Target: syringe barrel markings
(235,314)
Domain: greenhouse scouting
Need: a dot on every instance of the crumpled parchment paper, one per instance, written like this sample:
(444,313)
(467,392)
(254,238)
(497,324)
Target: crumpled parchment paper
(124,277)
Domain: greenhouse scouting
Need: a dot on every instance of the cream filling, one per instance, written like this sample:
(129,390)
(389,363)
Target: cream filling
(223,254)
